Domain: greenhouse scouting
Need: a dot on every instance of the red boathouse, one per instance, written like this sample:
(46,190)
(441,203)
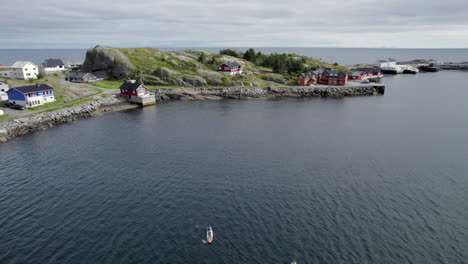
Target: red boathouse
(132,88)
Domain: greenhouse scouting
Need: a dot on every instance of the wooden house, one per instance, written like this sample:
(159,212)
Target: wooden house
(231,68)
(334,77)
(307,79)
(30,96)
(132,88)
(82,77)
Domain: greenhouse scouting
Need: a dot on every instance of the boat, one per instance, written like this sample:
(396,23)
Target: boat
(209,235)
(411,70)
(390,66)
(431,67)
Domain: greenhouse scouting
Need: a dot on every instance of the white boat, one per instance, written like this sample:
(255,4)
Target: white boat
(209,235)
(390,66)
(411,70)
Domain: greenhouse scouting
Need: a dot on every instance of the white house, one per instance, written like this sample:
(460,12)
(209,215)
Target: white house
(24,70)
(3,91)
(52,65)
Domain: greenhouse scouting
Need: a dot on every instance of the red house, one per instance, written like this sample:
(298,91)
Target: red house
(132,88)
(307,79)
(334,77)
(231,68)
(358,75)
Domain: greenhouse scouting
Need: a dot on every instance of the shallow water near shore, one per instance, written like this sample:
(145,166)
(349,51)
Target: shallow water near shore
(377,179)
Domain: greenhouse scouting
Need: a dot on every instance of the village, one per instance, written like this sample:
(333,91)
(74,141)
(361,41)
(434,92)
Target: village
(26,85)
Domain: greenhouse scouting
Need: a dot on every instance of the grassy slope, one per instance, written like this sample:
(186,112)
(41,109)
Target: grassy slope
(147,60)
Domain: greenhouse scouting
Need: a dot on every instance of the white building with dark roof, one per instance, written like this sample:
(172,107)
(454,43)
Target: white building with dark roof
(24,70)
(52,66)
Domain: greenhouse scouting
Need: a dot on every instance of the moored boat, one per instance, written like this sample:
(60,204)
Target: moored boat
(432,67)
(411,70)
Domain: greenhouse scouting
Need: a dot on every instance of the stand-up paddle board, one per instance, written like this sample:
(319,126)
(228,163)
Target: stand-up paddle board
(209,235)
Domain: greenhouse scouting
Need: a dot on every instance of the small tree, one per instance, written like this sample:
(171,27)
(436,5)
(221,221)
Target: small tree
(40,75)
(202,57)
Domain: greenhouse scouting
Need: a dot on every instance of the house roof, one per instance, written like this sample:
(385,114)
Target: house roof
(334,73)
(34,88)
(309,74)
(232,64)
(20,64)
(356,73)
(131,86)
(52,63)
(79,74)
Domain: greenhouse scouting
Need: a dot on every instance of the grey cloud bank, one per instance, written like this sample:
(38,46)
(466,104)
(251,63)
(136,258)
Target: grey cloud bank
(353,23)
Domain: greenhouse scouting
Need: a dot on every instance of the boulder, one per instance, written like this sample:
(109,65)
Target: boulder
(153,80)
(211,77)
(110,60)
(170,76)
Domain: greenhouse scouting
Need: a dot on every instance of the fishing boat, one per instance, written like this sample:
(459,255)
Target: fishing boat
(209,235)
(432,67)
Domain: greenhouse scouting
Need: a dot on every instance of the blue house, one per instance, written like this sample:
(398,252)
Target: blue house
(30,96)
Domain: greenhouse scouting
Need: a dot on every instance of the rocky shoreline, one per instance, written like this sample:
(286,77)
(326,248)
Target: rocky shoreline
(25,125)
(267,92)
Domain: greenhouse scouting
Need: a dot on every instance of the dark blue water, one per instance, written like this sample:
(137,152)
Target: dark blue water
(345,56)
(356,180)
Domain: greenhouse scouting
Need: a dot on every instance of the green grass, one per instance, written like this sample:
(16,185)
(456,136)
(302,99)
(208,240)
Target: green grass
(4,115)
(60,100)
(4,69)
(108,84)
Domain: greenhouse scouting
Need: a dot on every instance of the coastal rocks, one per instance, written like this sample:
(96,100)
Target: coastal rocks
(454,66)
(265,92)
(110,60)
(22,126)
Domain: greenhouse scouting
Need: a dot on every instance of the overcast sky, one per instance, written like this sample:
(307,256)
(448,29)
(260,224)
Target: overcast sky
(239,23)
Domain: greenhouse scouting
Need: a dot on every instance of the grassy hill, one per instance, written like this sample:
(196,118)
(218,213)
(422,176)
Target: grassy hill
(190,68)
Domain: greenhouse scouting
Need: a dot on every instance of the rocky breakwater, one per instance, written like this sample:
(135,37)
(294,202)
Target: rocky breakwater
(25,125)
(266,92)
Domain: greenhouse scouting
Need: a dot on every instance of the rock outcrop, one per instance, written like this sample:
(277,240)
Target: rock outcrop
(194,80)
(170,76)
(108,59)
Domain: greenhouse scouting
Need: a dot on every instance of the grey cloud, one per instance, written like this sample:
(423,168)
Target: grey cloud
(51,24)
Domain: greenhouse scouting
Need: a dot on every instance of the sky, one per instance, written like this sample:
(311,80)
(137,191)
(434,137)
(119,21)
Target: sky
(239,23)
